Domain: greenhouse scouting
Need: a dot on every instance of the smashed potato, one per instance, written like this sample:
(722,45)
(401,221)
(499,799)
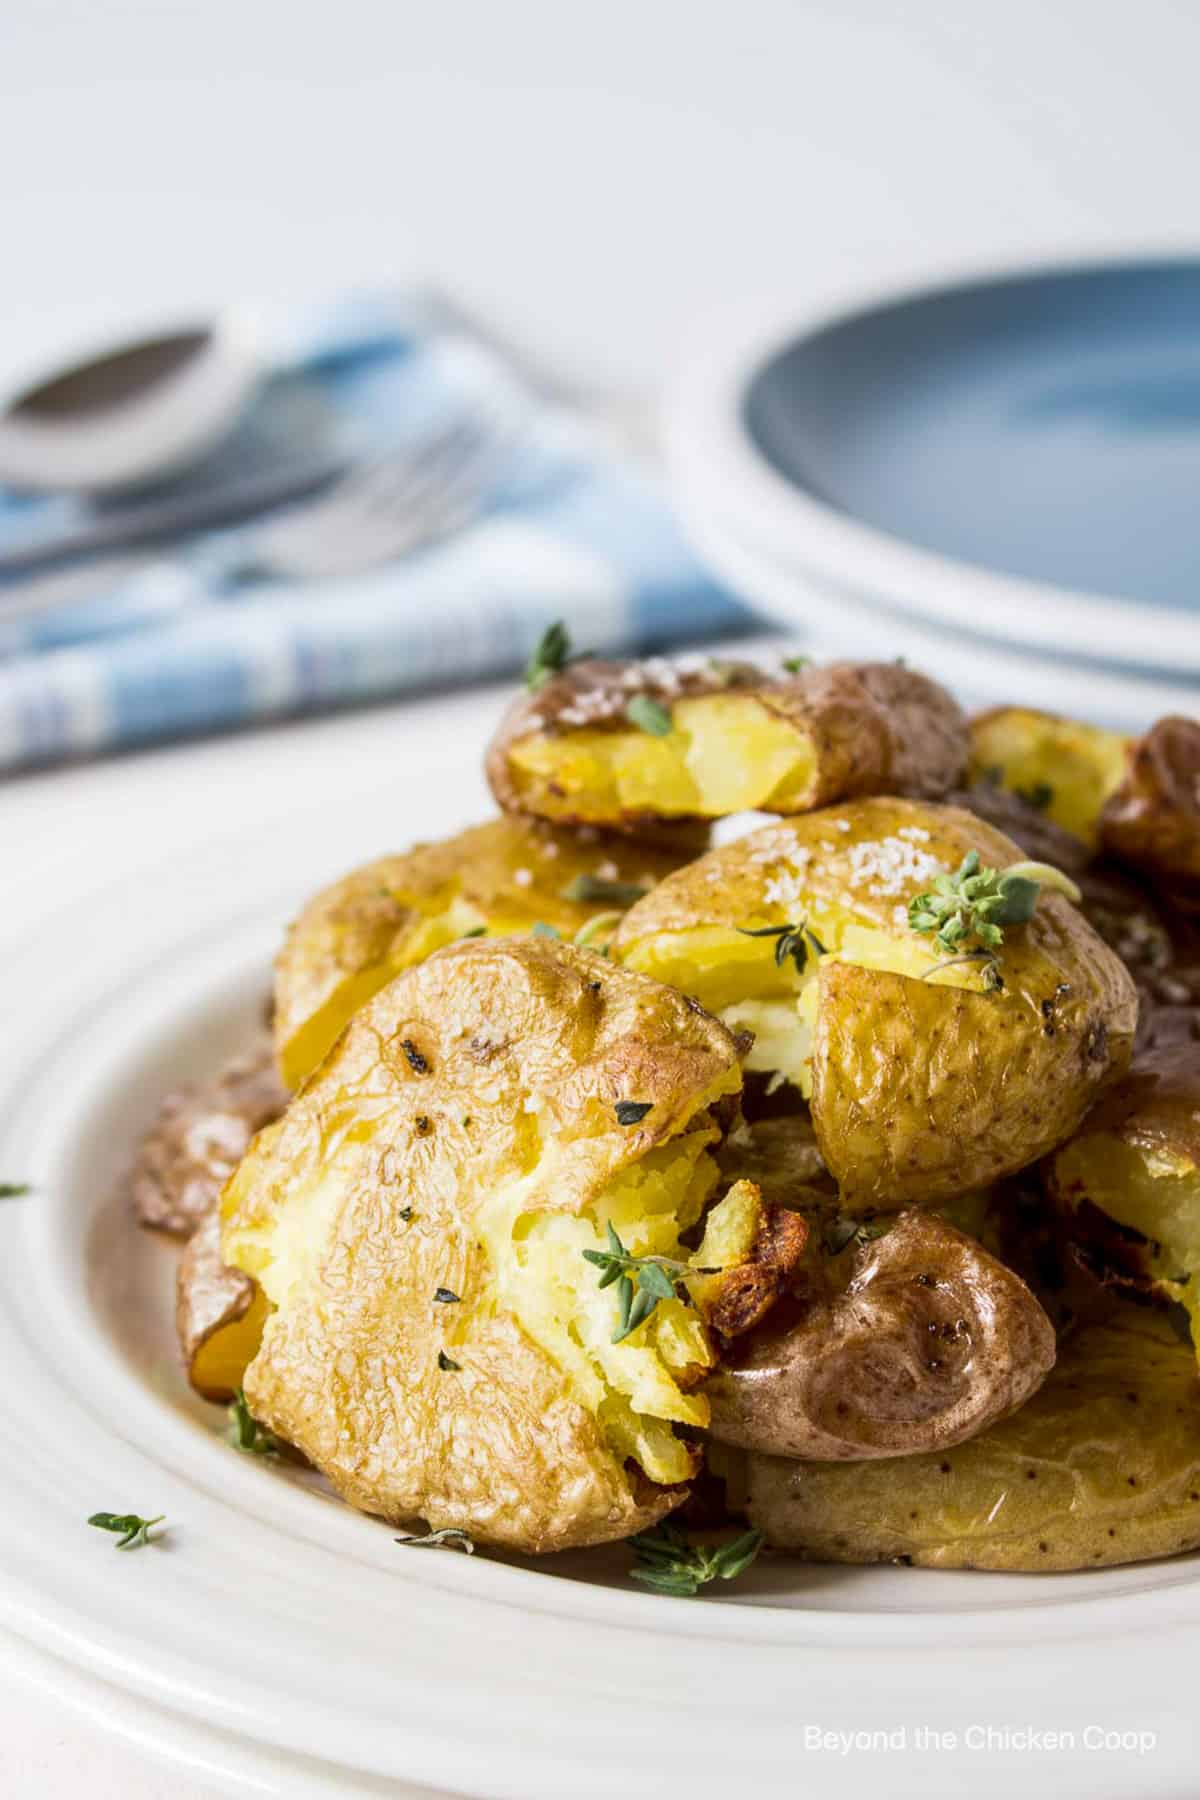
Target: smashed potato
(916,1342)
(623,744)
(353,937)
(922,1082)
(1152,819)
(1061,767)
(219,1315)
(438,1345)
(1136,1160)
(1101,1466)
(199,1136)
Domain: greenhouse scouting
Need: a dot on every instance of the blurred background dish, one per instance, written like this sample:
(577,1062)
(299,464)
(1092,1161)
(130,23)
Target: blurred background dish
(1006,463)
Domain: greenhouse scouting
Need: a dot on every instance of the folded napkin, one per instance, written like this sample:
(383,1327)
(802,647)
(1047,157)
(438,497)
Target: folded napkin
(180,640)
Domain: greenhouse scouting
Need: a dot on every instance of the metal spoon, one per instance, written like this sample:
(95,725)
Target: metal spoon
(133,414)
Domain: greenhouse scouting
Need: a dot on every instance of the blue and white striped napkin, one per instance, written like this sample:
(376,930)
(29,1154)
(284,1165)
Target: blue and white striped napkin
(178,644)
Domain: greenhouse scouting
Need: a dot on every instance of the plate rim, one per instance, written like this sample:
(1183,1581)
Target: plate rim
(711,452)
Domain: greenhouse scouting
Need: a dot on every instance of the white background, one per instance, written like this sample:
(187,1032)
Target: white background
(591,178)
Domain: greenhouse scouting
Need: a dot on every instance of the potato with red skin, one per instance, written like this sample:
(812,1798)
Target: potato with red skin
(1100,1467)
(719,738)
(1152,820)
(923,1341)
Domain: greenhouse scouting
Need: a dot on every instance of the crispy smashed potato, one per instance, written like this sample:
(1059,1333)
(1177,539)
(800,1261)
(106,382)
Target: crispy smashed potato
(1136,1162)
(353,937)
(219,1315)
(623,744)
(923,1341)
(1101,1466)
(438,1345)
(200,1135)
(1152,819)
(1062,767)
(923,1084)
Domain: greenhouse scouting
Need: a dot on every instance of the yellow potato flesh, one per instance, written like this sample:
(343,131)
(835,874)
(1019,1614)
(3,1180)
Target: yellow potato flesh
(736,977)
(539,1275)
(1156,1193)
(542,1278)
(223,1358)
(448,919)
(1025,751)
(725,753)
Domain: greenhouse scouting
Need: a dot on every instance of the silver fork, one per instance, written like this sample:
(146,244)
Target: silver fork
(379,510)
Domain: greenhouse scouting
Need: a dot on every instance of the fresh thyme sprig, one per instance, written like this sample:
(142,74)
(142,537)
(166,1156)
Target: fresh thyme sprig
(450,1538)
(245,1432)
(642,1281)
(979,903)
(133,1530)
(550,656)
(790,940)
(669,1564)
(591,889)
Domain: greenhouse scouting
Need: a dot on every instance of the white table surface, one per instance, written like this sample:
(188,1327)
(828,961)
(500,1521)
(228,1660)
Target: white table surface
(593,179)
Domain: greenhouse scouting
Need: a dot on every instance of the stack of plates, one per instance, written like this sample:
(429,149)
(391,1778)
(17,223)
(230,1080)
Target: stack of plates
(998,480)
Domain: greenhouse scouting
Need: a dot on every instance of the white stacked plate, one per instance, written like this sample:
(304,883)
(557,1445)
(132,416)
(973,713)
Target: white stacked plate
(998,479)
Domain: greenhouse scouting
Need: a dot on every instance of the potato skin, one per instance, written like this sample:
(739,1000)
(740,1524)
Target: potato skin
(356,934)
(929,1340)
(1101,1466)
(208,1298)
(920,1090)
(873,727)
(1153,819)
(489,1062)
(198,1138)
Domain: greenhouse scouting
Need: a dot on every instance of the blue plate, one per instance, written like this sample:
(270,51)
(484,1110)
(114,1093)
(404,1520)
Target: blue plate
(1043,428)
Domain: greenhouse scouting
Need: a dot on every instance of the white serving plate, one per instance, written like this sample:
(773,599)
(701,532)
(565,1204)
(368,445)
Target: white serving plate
(284,1644)
(724,477)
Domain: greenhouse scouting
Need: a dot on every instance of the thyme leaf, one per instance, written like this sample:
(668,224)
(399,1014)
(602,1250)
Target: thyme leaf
(632,1112)
(595,888)
(245,1432)
(14,1190)
(133,1530)
(978,903)
(550,656)
(641,1281)
(450,1538)
(790,940)
(670,1564)
(447,1363)
(648,715)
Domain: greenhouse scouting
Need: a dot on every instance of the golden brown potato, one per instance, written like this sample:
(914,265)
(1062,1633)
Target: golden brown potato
(1152,819)
(1064,768)
(923,1083)
(439,1345)
(198,1138)
(1101,1466)
(353,937)
(623,744)
(1136,1162)
(219,1314)
(923,1341)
